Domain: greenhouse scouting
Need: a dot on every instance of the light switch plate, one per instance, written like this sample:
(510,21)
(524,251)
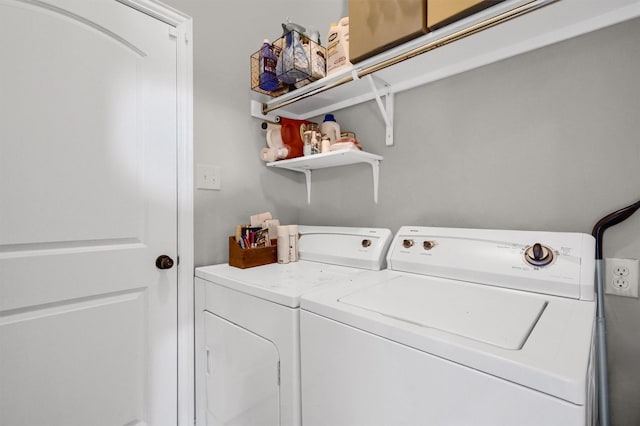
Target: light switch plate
(207,177)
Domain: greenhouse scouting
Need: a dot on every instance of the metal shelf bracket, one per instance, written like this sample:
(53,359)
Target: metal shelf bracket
(375,170)
(337,158)
(386,110)
(256,111)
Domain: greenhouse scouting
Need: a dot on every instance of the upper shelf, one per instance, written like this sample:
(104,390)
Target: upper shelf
(558,20)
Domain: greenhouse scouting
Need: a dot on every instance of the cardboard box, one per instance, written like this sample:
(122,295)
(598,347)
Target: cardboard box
(377,25)
(443,12)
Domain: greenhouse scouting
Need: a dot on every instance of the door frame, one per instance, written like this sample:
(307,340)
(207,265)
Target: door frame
(183,25)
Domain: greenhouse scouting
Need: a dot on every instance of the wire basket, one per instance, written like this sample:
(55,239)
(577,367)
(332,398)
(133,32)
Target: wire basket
(298,61)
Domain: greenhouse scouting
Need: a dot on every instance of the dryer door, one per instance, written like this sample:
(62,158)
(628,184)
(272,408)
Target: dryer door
(242,371)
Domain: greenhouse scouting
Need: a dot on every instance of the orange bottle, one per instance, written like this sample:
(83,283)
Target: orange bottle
(292,132)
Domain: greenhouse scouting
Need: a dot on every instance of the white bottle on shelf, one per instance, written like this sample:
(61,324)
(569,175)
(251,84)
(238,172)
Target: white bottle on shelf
(338,46)
(330,128)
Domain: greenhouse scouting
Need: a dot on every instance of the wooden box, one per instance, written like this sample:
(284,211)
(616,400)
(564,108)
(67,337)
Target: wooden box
(250,257)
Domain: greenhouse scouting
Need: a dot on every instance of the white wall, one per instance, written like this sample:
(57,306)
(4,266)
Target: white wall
(226,33)
(548,140)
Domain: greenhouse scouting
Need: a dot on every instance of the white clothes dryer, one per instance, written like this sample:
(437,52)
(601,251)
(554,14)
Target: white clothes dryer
(465,327)
(247,325)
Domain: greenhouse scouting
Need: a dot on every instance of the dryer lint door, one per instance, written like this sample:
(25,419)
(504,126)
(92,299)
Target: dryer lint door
(242,369)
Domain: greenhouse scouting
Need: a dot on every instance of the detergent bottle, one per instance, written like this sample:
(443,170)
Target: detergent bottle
(330,128)
(338,46)
(268,60)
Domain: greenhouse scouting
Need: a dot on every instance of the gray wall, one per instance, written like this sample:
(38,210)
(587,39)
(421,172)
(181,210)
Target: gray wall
(544,141)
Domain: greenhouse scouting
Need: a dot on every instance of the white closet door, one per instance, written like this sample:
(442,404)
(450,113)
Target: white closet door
(242,376)
(87,203)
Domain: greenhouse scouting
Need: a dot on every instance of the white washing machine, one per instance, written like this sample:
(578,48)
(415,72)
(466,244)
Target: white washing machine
(248,325)
(466,327)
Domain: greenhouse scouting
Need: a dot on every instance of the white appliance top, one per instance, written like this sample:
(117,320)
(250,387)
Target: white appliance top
(468,296)
(495,317)
(327,254)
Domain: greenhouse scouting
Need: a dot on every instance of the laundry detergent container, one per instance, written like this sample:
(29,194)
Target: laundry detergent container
(377,25)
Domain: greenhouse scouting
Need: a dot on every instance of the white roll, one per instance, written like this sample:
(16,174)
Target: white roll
(293,243)
(283,244)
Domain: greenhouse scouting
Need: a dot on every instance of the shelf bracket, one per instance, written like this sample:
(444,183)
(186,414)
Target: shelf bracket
(375,169)
(256,111)
(386,110)
(337,158)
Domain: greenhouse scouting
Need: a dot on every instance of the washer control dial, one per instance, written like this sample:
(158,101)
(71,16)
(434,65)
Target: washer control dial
(428,245)
(539,255)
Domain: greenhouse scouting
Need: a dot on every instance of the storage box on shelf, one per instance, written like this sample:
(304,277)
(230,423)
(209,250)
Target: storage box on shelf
(377,25)
(290,62)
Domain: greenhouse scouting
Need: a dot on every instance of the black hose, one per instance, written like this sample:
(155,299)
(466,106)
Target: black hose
(601,329)
(609,221)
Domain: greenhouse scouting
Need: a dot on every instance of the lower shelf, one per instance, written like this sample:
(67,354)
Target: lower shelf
(343,157)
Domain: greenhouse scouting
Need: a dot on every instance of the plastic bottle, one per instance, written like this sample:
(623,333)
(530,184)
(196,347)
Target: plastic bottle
(292,131)
(283,244)
(293,243)
(268,60)
(338,46)
(330,128)
(325,145)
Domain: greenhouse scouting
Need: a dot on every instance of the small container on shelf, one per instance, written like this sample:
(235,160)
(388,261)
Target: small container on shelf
(299,61)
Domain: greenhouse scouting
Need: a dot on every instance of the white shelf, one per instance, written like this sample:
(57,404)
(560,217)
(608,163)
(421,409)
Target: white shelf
(343,157)
(552,23)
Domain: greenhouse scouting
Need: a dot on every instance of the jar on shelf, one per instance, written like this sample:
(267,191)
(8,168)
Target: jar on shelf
(310,139)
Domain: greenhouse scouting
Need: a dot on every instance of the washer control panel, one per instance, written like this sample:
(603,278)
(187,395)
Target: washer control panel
(539,255)
(556,263)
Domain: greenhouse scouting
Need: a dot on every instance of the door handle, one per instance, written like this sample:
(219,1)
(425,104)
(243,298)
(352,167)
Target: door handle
(207,361)
(164,262)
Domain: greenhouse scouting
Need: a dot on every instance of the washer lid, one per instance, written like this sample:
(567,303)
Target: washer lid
(498,318)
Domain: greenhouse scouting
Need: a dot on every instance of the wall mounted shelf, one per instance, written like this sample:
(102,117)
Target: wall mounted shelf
(338,158)
(502,31)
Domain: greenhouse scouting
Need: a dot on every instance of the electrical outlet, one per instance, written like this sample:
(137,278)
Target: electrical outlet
(208,177)
(621,277)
